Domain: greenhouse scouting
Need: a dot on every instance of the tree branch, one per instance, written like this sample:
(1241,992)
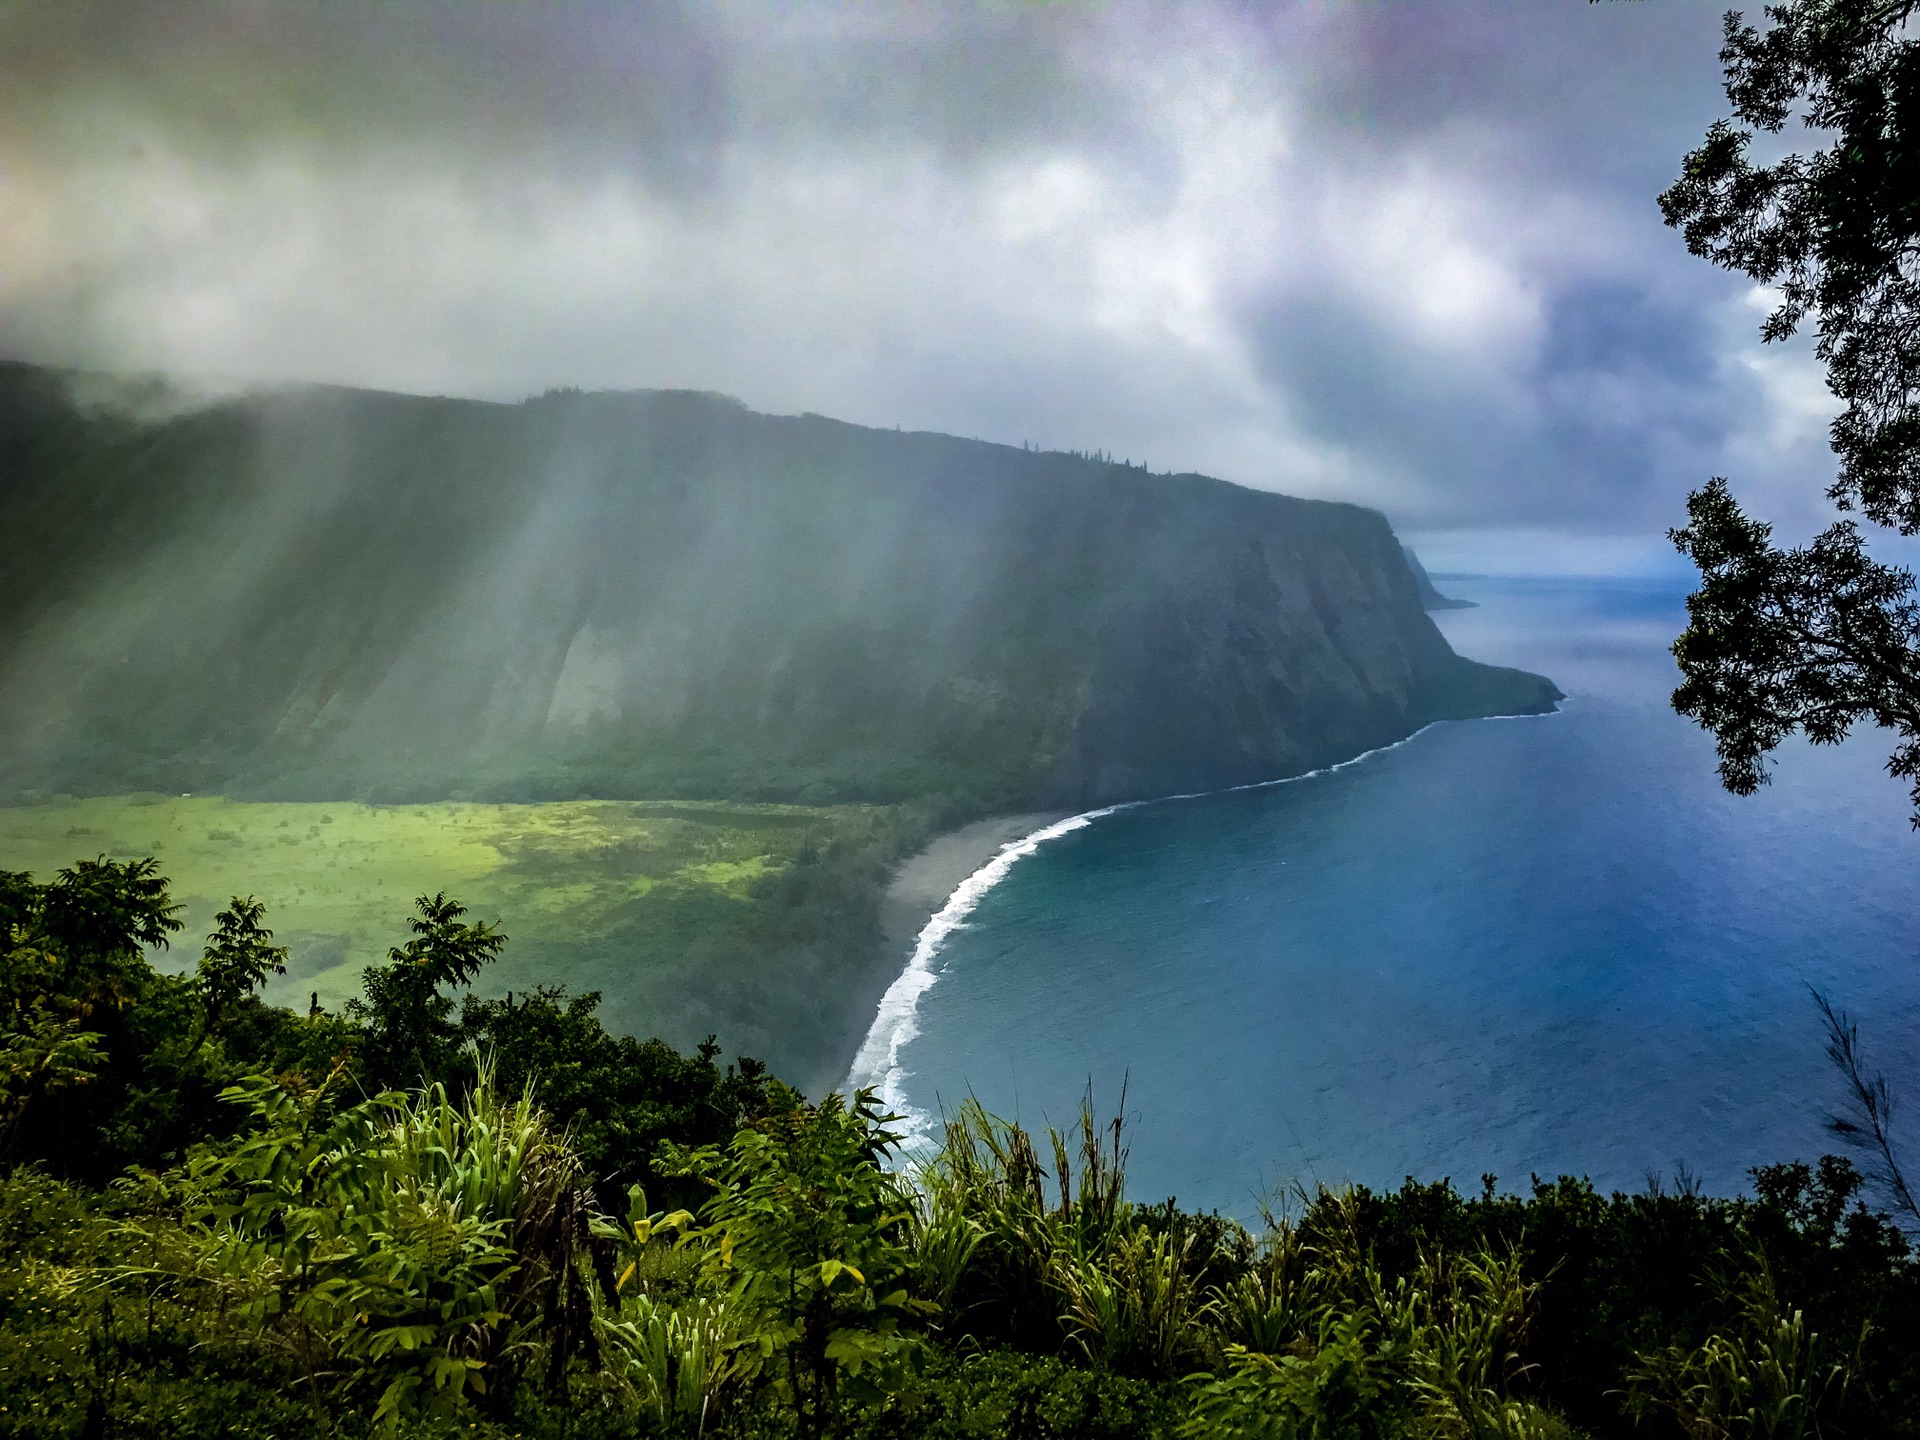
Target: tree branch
(1870,1125)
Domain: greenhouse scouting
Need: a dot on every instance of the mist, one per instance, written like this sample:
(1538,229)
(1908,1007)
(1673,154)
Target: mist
(1397,254)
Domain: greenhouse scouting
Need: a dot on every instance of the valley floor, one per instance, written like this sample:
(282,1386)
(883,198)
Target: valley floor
(923,882)
(755,923)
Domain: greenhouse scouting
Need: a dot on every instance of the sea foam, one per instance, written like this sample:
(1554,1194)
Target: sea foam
(896,1024)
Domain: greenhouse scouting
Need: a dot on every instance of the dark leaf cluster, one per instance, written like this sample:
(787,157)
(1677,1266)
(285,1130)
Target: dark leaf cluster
(1815,639)
(1837,230)
(1818,639)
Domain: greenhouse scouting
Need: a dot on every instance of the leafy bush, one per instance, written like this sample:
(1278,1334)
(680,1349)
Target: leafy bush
(807,1237)
(405,1248)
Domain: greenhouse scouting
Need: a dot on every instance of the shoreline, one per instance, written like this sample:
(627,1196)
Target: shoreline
(928,897)
(931,894)
(918,888)
(923,883)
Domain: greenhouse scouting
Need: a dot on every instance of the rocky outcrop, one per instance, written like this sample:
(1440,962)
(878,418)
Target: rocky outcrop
(331,592)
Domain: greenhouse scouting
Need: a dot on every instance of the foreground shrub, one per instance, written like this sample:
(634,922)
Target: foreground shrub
(1009,1395)
(807,1238)
(1081,1271)
(405,1250)
(1343,1351)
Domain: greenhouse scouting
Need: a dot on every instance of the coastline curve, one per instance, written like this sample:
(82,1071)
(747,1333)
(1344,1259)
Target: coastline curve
(896,1022)
(878,1063)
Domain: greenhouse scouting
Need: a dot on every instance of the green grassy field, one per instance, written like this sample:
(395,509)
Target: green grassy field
(692,917)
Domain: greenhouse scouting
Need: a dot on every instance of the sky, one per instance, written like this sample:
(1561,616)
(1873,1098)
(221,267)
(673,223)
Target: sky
(1405,254)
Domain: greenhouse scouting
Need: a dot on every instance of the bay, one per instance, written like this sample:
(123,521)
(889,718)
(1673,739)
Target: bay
(1529,946)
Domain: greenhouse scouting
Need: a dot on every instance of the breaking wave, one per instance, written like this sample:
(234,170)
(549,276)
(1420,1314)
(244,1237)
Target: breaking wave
(896,1024)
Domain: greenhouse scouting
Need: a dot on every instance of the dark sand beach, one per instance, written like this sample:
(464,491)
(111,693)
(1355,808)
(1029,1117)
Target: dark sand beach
(918,890)
(921,885)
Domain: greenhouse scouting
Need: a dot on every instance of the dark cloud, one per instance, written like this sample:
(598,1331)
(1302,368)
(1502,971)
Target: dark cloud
(1406,253)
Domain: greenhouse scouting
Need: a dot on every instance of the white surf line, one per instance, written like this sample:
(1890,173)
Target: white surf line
(896,1023)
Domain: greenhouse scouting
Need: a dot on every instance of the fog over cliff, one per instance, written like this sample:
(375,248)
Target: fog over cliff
(324,593)
(1402,254)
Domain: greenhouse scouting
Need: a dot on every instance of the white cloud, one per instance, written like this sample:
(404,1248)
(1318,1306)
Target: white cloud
(1406,245)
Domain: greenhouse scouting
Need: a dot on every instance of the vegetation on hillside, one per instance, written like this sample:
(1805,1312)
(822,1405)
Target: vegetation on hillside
(322,593)
(758,923)
(431,1214)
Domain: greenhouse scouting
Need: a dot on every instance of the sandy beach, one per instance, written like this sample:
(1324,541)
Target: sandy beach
(917,892)
(922,884)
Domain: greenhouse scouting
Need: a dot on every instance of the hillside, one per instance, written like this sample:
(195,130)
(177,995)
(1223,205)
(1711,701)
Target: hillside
(330,594)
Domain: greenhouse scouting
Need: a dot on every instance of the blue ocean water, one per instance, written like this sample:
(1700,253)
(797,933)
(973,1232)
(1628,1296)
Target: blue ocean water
(1544,946)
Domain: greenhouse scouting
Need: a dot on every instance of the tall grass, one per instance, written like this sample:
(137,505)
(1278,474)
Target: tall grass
(426,1254)
(1060,1258)
(674,1361)
(1769,1379)
(1299,1330)
(1318,1342)
(417,1247)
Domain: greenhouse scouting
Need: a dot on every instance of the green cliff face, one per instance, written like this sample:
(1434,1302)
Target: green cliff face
(330,593)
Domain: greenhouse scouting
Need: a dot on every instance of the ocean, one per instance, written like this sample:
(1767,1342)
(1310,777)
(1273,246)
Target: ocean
(1510,947)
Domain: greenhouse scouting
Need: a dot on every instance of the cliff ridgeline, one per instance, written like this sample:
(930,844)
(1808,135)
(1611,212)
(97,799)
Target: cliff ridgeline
(327,593)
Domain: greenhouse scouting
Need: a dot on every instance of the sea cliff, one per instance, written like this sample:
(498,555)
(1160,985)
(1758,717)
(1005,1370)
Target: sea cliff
(327,593)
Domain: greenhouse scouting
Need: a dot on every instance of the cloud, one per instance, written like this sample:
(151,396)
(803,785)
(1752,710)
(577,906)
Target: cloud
(1404,254)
